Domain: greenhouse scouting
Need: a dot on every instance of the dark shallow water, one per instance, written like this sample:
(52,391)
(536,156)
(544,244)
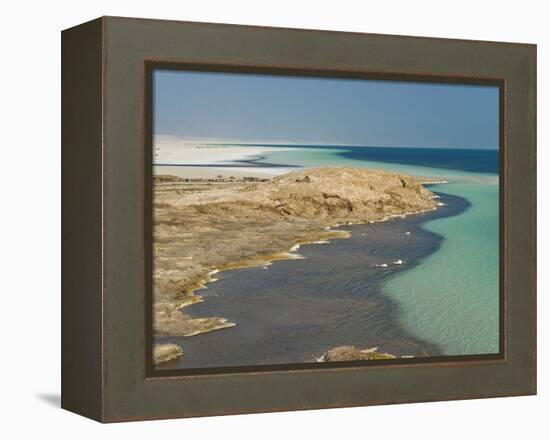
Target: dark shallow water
(297,309)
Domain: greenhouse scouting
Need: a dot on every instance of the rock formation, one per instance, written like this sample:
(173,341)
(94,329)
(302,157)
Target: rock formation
(166,352)
(351,353)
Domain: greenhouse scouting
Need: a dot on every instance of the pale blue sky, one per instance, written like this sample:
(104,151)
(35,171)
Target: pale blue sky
(327,111)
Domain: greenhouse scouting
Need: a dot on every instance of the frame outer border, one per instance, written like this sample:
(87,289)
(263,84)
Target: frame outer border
(127,394)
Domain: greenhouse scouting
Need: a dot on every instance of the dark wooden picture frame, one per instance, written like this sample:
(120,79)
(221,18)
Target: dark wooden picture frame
(106,214)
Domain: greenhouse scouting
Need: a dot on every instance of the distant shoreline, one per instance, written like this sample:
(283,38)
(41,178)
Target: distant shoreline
(169,149)
(188,159)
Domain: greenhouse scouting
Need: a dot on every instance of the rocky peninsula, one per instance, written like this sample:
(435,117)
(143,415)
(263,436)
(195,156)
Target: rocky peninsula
(202,226)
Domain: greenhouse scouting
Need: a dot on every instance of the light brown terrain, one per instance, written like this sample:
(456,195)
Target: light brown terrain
(351,353)
(204,226)
(166,352)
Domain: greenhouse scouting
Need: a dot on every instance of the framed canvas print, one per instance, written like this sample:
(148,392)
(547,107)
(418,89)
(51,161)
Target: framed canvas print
(262,219)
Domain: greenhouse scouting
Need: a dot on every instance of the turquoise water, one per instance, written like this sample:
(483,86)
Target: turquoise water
(452,298)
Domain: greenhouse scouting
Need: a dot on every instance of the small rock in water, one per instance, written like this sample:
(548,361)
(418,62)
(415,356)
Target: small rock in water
(351,353)
(166,352)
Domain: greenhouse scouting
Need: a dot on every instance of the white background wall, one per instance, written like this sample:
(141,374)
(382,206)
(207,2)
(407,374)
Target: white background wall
(30,217)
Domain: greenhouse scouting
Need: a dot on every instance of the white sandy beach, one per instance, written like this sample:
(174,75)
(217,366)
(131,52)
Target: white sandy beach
(170,153)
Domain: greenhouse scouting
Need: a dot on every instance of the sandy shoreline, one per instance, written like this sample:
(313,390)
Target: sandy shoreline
(268,259)
(291,254)
(176,157)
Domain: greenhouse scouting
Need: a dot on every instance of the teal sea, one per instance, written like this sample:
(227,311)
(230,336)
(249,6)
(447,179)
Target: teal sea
(443,301)
(451,299)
